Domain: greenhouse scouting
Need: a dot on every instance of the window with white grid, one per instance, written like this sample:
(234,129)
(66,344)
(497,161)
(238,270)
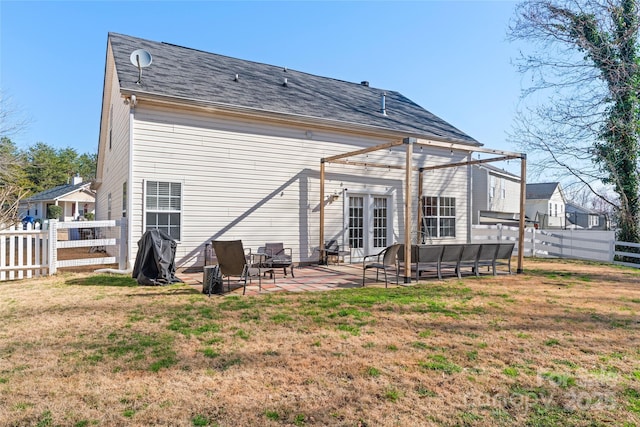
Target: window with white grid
(356,222)
(380,222)
(163,207)
(439,216)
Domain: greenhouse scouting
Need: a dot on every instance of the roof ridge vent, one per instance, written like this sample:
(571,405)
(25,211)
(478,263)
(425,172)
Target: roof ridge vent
(364,83)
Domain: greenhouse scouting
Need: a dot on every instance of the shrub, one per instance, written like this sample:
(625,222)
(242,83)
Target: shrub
(54,212)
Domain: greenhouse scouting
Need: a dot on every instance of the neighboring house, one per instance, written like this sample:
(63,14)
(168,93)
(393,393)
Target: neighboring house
(545,205)
(496,196)
(207,147)
(581,217)
(76,199)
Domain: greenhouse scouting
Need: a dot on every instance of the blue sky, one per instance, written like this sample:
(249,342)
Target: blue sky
(451,57)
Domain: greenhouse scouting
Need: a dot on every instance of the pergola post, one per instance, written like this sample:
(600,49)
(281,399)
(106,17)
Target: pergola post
(407,208)
(523,199)
(321,245)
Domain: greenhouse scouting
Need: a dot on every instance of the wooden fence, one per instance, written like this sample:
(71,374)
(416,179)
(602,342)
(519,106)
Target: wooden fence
(25,253)
(595,245)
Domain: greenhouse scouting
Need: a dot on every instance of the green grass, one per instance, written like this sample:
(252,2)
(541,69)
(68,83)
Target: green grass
(562,380)
(272,415)
(392,394)
(511,372)
(438,362)
(373,372)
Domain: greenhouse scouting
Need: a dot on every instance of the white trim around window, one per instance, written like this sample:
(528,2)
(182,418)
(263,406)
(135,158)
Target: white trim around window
(162,207)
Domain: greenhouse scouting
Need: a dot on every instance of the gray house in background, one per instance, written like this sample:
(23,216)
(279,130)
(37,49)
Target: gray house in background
(584,218)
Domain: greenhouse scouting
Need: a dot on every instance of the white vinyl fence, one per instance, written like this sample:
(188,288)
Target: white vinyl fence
(25,253)
(595,245)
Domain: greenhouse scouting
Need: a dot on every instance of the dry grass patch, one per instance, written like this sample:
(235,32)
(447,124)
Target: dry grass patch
(555,346)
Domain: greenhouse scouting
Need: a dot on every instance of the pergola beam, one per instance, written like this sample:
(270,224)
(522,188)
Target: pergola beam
(362,151)
(367,164)
(464,147)
(470,162)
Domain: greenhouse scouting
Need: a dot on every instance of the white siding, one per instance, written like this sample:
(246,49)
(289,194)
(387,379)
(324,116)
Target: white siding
(258,182)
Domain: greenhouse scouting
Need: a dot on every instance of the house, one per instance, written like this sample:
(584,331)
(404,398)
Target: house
(581,217)
(206,147)
(76,199)
(545,204)
(495,196)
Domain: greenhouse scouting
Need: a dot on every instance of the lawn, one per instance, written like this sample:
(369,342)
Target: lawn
(558,345)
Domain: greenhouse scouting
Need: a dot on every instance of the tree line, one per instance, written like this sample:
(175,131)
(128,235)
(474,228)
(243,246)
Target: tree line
(39,167)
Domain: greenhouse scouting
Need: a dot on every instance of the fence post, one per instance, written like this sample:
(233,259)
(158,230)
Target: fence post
(53,246)
(612,249)
(122,257)
(533,242)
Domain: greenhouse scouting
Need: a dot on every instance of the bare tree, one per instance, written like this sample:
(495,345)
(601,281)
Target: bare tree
(581,109)
(12,187)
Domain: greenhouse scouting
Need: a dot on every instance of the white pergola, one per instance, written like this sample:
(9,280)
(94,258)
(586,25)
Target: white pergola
(409,143)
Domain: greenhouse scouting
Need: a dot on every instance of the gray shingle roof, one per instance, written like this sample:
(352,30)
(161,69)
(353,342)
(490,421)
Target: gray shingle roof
(206,77)
(56,192)
(541,190)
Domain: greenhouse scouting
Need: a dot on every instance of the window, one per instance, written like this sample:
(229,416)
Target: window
(110,126)
(380,222)
(503,189)
(356,222)
(492,188)
(439,216)
(124,199)
(109,206)
(163,207)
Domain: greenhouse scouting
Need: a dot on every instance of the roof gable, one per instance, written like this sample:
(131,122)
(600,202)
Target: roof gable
(542,190)
(58,192)
(189,74)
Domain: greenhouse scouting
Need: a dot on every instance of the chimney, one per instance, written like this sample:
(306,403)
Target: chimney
(76,180)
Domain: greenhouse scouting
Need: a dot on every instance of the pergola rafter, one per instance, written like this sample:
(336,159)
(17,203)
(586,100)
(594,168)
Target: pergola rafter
(409,143)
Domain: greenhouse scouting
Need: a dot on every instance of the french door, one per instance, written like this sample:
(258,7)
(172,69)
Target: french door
(368,224)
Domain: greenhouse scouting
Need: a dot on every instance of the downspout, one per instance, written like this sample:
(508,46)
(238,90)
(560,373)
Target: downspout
(470,199)
(130,256)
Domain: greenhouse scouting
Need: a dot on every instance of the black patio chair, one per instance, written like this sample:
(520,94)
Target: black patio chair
(385,260)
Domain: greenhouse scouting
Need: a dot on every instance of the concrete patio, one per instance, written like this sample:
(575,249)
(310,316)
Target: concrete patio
(308,278)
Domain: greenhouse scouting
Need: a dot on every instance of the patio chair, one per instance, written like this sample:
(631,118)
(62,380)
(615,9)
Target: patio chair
(486,256)
(277,256)
(385,260)
(332,248)
(233,261)
(469,256)
(503,256)
(450,259)
(428,259)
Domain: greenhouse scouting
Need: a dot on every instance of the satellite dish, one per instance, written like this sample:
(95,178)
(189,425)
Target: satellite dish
(141,59)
